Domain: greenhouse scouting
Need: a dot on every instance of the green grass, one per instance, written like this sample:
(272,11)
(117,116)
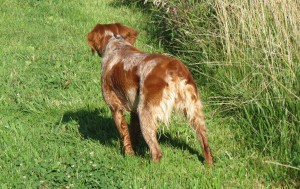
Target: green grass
(57,132)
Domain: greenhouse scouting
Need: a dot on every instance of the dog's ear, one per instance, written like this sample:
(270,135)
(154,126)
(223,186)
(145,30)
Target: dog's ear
(91,41)
(129,34)
(98,37)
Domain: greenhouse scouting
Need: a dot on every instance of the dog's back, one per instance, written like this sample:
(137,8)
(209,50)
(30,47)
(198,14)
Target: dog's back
(154,77)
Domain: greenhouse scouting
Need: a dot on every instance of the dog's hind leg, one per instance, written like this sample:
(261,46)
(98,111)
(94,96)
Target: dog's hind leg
(148,128)
(198,124)
(193,112)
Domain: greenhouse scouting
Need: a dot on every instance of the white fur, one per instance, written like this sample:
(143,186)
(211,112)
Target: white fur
(132,100)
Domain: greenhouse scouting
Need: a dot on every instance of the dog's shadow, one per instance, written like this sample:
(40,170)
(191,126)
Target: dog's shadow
(97,125)
(93,125)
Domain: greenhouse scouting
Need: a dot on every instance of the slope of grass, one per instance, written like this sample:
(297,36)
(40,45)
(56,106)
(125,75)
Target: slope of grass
(56,131)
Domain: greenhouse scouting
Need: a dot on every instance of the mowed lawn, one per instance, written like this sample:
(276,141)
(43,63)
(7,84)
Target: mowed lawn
(57,132)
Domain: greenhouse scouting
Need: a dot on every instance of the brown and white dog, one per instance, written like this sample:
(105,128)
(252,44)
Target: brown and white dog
(149,86)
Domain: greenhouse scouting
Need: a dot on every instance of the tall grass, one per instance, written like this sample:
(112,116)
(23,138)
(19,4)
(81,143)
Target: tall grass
(261,41)
(247,53)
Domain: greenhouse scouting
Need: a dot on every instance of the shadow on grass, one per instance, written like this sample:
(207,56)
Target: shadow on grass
(93,125)
(180,144)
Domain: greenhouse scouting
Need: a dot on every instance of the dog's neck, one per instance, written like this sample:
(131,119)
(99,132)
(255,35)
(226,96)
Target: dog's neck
(115,43)
(114,46)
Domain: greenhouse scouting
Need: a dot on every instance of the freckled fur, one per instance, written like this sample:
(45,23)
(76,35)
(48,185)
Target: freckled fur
(149,86)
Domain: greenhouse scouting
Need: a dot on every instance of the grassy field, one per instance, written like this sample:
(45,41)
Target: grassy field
(57,132)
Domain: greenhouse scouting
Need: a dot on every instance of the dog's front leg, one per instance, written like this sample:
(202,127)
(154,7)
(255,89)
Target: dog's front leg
(122,127)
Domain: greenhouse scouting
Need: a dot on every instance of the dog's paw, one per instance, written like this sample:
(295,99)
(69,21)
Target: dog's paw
(157,157)
(129,151)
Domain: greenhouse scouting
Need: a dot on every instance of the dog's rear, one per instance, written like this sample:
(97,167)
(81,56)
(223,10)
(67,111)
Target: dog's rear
(147,85)
(167,86)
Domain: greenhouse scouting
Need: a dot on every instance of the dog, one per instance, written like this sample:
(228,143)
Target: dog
(149,86)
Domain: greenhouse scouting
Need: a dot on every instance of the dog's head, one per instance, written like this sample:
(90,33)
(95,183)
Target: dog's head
(100,35)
